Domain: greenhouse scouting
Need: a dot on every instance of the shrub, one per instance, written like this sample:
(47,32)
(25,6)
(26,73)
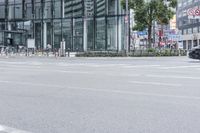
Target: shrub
(135,53)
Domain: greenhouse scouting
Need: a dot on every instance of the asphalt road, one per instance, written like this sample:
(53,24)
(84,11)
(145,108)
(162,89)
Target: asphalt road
(100,95)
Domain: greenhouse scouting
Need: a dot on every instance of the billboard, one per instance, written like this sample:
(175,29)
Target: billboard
(31,43)
(193,13)
(142,33)
(172,23)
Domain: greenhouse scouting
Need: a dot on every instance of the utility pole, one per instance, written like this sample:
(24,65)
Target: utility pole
(127,27)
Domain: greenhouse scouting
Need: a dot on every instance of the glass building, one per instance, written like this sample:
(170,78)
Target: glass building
(188,27)
(85,25)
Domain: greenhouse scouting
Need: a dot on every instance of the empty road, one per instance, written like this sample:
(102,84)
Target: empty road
(99,95)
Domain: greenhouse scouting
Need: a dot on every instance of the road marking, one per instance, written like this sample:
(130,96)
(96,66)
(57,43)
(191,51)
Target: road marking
(105,90)
(6,129)
(141,66)
(130,75)
(29,83)
(107,65)
(74,72)
(18,66)
(155,83)
(176,77)
(34,63)
(46,70)
(137,93)
(179,67)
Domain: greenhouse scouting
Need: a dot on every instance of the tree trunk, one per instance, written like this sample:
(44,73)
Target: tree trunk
(149,36)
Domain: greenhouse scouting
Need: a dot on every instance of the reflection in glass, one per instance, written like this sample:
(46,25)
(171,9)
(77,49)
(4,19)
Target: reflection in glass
(83,24)
(100,34)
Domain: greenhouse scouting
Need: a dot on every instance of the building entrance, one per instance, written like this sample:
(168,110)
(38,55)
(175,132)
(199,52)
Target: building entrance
(13,38)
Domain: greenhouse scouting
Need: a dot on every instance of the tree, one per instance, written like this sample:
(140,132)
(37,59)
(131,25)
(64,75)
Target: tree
(147,12)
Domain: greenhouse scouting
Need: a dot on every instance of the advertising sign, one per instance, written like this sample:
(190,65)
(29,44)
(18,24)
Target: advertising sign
(193,13)
(180,44)
(173,23)
(31,43)
(142,33)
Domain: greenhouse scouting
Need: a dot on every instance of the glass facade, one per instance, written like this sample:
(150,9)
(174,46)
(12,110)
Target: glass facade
(189,27)
(85,25)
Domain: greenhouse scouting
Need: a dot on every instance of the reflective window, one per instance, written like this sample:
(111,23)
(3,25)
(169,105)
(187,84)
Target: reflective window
(112,33)
(83,24)
(100,34)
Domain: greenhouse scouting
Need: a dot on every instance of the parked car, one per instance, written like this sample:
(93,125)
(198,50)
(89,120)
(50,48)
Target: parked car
(194,53)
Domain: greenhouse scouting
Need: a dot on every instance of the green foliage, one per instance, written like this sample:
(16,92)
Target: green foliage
(151,50)
(164,13)
(147,12)
(136,53)
(173,3)
(131,4)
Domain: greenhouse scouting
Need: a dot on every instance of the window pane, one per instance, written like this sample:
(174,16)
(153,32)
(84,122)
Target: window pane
(112,33)
(100,34)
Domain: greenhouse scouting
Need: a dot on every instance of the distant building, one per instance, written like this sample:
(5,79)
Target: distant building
(188,23)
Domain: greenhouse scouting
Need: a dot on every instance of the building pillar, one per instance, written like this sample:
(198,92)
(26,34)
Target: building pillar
(85,35)
(116,35)
(52,35)
(119,35)
(44,35)
(116,24)
(192,43)
(9,17)
(9,26)
(9,29)
(187,47)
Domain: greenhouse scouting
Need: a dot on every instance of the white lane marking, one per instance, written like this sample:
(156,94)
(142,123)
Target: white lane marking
(169,76)
(92,65)
(140,66)
(33,64)
(106,90)
(11,130)
(47,70)
(137,93)
(29,83)
(179,67)
(2,128)
(75,72)
(18,66)
(155,83)
(129,75)
(21,63)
